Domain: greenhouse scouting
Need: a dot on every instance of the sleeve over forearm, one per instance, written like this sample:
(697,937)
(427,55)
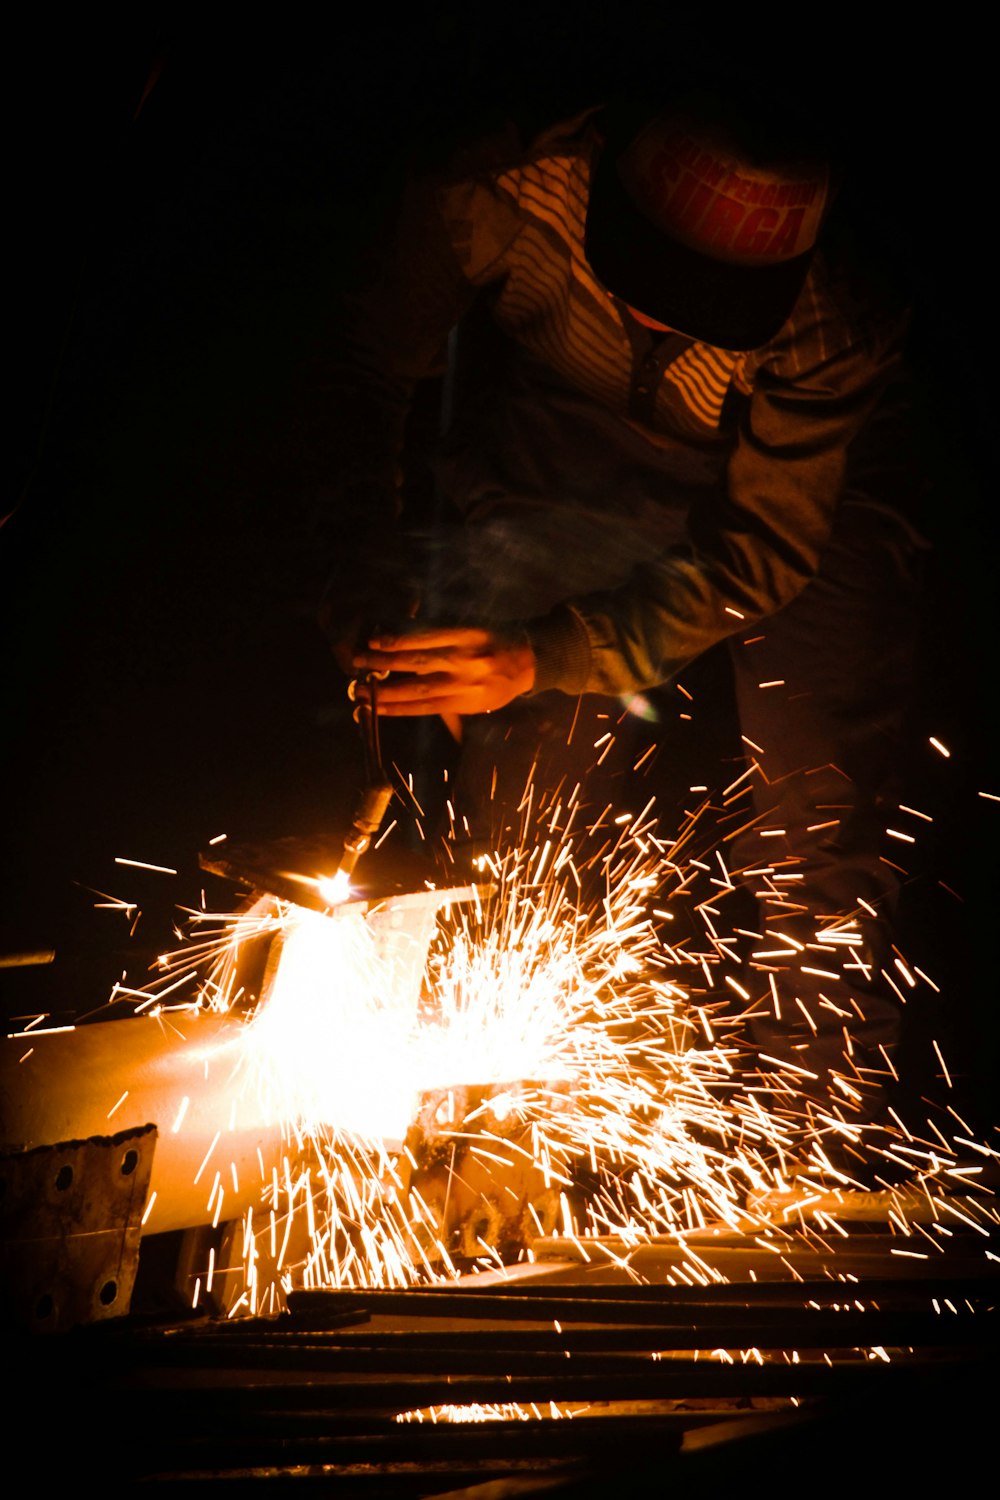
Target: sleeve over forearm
(753,547)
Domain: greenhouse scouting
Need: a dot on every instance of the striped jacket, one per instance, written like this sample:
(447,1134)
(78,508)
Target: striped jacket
(776,422)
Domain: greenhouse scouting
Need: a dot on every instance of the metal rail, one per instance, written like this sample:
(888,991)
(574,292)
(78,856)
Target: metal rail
(597,1387)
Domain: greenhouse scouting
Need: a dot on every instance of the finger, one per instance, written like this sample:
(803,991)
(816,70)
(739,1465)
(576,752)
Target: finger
(432,640)
(371,661)
(424,663)
(419,689)
(381,664)
(426,696)
(421,662)
(449,709)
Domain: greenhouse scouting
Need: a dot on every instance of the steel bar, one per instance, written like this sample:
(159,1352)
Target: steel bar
(273,1399)
(623,1304)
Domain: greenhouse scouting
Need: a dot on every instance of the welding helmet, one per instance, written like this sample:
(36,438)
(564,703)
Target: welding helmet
(703,219)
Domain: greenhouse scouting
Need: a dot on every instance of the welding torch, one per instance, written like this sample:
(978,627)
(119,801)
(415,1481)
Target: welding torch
(373,803)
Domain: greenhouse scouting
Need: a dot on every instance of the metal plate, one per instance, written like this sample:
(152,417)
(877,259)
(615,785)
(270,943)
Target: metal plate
(70,1216)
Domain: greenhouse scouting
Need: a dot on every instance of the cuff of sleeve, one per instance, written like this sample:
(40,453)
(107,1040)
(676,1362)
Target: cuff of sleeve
(562,652)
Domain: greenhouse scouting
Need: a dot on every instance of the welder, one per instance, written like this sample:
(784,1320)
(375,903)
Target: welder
(690,433)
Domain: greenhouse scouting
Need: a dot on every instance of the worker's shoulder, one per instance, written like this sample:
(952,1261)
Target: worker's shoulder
(491,188)
(510,146)
(853,285)
(847,307)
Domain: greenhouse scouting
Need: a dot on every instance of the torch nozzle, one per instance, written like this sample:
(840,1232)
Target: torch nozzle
(368,818)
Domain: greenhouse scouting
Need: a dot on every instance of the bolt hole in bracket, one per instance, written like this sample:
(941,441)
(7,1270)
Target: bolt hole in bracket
(70,1220)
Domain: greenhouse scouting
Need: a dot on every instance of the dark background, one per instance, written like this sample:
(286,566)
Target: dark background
(185,206)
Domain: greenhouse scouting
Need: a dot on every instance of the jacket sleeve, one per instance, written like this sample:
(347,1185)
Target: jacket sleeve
(753,547)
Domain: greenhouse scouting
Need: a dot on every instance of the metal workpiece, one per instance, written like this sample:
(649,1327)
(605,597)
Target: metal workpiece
(202,1077)
(184,1073)
(471,1172)
(70,1221)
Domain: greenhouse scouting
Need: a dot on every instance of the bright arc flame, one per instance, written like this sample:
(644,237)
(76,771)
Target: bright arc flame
(330,1045)
(334,888)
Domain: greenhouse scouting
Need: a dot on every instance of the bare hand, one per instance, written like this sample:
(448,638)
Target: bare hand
(448,671)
